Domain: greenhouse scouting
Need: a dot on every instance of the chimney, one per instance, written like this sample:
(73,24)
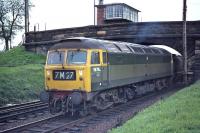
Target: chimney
(100,13)
(100,2)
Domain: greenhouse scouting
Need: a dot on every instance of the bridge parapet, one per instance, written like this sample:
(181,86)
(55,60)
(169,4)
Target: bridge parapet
(146,33)
(119,31)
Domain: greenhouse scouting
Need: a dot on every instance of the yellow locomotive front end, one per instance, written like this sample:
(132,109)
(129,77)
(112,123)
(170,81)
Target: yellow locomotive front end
(73,70)
(67,79)
(67,70)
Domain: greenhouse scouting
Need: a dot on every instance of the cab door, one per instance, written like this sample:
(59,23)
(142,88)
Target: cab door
(99,71)
(104,69)
(96,74)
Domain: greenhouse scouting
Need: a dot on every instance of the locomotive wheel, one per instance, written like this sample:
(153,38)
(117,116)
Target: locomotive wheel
(54,106)
(83,113)
(99,102)
(102,104)
(158,85)
(130,93)
(51,108)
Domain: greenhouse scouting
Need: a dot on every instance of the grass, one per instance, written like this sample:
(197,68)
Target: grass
(21,76)
(179,113)
(18,56)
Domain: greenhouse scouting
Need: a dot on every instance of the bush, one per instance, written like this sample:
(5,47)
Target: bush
(21,75)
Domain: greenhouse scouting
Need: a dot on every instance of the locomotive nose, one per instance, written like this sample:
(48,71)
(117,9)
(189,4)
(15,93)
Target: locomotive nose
(68,79)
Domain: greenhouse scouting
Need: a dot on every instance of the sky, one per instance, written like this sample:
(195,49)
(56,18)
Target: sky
(74,13)
(57,14)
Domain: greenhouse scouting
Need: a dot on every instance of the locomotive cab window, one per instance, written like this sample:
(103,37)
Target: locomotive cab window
(95,58)
(76,57)
(55,57)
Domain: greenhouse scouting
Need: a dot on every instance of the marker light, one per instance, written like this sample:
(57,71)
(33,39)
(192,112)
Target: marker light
(80,75)
(48,73)
(80,72)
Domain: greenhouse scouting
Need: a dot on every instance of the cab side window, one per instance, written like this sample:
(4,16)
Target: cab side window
(95,58)
(104,58)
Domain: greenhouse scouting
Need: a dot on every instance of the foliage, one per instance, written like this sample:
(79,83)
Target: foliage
(21,75)
(11,18)
(179,113)
(18,56)
(21,83)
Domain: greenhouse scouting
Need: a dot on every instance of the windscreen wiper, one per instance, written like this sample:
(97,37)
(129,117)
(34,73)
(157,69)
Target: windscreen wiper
(61,60)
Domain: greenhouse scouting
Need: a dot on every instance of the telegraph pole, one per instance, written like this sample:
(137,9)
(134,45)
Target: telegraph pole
(185,39)
(94,13)
(26,15)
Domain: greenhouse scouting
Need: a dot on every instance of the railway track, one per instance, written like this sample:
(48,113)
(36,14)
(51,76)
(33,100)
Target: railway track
(18,105)
(58,123)
(21,111)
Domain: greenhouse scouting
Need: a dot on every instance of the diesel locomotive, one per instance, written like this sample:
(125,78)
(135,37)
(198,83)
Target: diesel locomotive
(83,74)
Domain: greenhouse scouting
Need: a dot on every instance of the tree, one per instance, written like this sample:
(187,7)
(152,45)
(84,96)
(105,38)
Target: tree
(11,18)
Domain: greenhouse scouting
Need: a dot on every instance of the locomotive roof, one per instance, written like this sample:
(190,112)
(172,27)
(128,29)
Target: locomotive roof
(169,49)
(81,43)
(111,46)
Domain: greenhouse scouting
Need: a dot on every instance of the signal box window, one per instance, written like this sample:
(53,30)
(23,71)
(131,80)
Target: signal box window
(104,58)
(95,58)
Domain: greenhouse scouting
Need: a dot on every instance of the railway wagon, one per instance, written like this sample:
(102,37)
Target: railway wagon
(84,74)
